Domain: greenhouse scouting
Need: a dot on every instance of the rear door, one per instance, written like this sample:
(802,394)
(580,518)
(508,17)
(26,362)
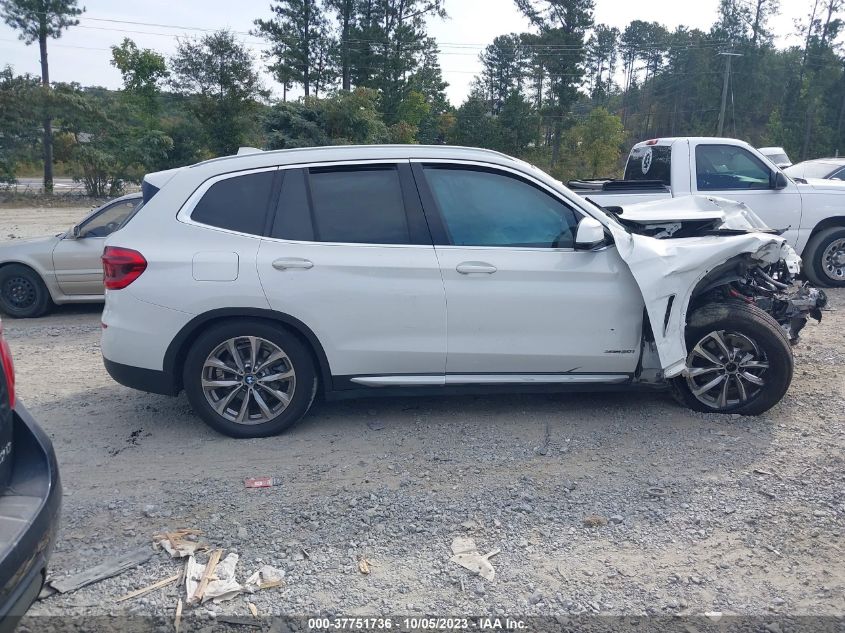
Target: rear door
(350,256)
(79,270)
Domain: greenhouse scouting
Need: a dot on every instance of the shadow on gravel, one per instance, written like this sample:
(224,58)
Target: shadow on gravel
(640,443)
(75,308)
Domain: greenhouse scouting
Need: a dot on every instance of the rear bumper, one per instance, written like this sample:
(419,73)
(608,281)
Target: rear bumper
(29,518)
(150,380)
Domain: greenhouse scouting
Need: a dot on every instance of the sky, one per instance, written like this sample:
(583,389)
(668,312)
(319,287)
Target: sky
(83,54)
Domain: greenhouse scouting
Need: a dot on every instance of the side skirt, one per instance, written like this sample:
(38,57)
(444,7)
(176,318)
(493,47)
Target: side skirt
(436,385)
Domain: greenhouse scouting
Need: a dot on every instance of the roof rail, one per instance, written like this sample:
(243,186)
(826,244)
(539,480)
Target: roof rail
(243,151)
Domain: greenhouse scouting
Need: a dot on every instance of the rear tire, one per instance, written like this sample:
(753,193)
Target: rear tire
(823,261)
(23,294)
(249,378)
(744,346)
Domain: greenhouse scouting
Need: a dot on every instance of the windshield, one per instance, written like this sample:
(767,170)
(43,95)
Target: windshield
(777,159)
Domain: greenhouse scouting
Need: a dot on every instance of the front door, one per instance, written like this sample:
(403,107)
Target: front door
(349,255)
(730,171)
(521,301)
(79,270)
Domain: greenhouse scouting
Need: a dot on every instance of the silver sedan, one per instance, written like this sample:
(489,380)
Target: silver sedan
(64,268)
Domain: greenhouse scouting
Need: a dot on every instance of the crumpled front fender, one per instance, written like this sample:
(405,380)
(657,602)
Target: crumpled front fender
(668,271)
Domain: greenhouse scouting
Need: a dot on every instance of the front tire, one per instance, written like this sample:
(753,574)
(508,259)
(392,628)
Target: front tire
(23,294)
(249,378)
(739,361)
(824,264)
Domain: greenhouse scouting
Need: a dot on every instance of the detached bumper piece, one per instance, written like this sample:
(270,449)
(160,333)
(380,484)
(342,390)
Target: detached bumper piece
(29,518)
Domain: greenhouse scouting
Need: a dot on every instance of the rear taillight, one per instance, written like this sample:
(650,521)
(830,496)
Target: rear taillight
(8,367)
(121,266)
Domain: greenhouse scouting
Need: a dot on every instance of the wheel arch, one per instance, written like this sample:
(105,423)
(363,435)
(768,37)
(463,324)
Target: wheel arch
(811,251)
(177,351)
(49,283)
(835,221)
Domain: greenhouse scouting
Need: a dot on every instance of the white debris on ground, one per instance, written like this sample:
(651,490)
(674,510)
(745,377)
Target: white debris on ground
(465,553)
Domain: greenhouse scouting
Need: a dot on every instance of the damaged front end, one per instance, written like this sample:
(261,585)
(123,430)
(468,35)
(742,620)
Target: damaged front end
(772,287)
(688,252)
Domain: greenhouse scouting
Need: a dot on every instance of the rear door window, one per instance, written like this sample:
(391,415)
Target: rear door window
(237,203)
(360,204)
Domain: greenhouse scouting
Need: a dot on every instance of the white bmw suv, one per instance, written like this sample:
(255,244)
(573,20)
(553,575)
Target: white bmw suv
(256,282)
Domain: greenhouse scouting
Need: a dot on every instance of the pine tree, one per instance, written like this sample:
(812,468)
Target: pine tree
(38,20)
(297,33)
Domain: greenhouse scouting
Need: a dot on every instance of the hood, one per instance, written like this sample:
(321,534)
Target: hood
(29,243)
(690,216)
(822,184)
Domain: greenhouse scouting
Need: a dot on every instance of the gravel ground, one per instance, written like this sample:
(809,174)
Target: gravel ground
(619,504)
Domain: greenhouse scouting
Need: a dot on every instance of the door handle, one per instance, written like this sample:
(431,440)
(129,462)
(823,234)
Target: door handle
(468,268)
(285,263)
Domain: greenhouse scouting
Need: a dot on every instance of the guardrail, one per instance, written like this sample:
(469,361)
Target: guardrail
(59,190)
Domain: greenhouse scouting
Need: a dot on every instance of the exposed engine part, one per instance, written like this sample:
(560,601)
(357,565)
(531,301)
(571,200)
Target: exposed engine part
(773,289)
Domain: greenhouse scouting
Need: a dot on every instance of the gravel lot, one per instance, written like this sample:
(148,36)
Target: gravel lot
(748,519)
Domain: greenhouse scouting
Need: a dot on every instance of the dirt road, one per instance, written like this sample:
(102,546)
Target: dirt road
(697,513)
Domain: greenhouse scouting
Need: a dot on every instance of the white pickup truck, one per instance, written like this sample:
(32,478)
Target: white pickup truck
(810,213)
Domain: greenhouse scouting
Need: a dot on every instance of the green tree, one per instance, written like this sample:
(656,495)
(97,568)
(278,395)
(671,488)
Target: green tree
(474,125)
(18,122)
(143,71)
(563,25)
(600,138)
(354,117)
(428,81)
(396,43)
(346,14)
(602,54)
(290,125)
(218,77)
(342,119)
(504,68)
(104,143)
(299,39)
(37,21)
(518,124)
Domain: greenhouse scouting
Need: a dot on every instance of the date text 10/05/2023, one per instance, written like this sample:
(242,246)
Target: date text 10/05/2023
(421,623)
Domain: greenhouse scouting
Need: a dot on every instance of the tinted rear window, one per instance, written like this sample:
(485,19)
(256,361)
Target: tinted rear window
(360,205)
(238,203)
(293,213)
(650,162)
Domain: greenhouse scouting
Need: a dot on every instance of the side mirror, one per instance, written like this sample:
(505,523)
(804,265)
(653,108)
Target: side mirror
(781,181)
(590,234)
(73,234)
